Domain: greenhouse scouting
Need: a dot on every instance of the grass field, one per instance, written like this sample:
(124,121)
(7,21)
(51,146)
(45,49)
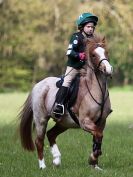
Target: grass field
(75,145)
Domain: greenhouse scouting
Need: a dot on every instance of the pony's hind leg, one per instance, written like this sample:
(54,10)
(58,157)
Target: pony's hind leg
(41,125)
(52,134)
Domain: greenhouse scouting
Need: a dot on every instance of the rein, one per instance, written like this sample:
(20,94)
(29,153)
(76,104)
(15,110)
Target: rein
(97,68)
(103,92)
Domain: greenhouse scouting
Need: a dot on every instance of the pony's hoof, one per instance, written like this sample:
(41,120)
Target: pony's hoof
(42,167)
(57,162)
(96,167)
(42,164)
(94,163)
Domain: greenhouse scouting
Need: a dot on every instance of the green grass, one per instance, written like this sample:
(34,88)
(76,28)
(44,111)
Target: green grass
(75,145)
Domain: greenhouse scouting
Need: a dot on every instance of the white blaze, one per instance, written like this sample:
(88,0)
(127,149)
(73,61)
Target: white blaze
(101,52)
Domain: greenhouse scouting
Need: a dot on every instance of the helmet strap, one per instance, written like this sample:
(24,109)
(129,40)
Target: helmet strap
(86,35)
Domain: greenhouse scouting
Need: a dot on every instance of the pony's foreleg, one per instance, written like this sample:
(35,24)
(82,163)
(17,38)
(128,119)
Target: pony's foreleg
(52,134)
(97,142)
(41,130)
(88,125)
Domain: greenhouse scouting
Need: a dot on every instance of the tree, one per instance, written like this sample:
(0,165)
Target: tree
(34,36)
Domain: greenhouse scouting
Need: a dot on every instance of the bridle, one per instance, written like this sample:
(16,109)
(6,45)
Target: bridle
(104,59)
(97,68)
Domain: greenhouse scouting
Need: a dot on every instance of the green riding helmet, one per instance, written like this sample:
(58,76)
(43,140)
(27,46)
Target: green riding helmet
(85,18)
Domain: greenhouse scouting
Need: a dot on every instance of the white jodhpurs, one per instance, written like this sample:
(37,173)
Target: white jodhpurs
(69,76)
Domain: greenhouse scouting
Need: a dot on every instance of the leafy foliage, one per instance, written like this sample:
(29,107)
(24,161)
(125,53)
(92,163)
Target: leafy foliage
(34,36)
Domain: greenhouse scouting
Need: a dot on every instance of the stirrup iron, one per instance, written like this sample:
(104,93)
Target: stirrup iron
(60,106)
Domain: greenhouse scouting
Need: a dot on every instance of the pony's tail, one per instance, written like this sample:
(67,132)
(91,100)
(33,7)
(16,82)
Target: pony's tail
(25,129)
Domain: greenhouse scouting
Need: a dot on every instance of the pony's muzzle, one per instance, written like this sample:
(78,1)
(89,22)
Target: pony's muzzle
(109,71)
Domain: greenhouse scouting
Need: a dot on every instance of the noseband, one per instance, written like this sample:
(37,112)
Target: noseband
(97,68)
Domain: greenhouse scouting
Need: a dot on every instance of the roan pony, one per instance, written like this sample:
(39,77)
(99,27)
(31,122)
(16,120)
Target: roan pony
(92,106)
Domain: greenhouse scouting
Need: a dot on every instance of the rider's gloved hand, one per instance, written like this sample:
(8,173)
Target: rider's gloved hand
(82,56)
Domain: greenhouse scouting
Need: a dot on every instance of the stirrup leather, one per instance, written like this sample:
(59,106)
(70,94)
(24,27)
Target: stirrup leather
(59,107)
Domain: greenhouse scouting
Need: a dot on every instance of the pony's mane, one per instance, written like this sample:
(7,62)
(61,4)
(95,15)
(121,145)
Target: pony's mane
(97,41)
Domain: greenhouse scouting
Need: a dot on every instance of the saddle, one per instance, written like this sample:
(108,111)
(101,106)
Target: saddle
(71,96)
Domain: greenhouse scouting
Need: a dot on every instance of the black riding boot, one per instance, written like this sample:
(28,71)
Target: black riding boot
(59,102)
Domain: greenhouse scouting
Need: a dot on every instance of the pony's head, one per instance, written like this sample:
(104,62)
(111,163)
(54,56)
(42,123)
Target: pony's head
(97,53)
